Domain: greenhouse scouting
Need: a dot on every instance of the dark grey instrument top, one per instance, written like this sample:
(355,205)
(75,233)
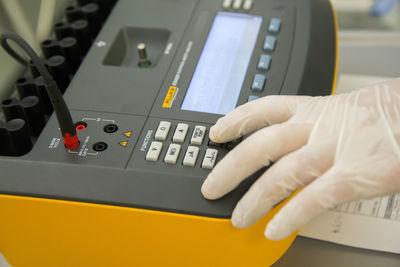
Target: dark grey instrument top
(141,145)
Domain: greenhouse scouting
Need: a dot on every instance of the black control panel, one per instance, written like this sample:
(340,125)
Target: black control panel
(144,82)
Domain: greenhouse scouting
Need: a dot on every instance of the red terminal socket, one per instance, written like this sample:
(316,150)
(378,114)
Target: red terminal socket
(80,126)
(71,142)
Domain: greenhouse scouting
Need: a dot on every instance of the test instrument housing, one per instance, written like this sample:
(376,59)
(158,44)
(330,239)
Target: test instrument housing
(128,196)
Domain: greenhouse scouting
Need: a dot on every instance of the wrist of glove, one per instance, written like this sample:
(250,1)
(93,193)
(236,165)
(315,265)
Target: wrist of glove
(339,148)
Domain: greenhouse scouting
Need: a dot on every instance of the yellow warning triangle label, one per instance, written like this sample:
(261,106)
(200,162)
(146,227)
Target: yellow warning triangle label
(124,143)
(127,134)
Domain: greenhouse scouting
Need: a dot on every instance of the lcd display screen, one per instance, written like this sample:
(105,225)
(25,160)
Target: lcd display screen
(220,72)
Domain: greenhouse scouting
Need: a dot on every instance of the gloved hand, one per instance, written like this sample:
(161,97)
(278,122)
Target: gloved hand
(339,148)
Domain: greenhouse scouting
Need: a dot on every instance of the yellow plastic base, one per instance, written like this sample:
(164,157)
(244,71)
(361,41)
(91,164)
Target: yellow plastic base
(37,232)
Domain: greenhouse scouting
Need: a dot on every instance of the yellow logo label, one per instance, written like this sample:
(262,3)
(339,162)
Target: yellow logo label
(169,97)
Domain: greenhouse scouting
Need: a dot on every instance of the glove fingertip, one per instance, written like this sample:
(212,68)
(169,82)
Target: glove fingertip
(272,232)
(215,135)
(237,222)
(269,233)
(208,190)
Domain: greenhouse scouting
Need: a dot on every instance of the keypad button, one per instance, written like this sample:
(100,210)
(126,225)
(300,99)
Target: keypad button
(154,151)
(248,4)
(209,158)
(274,25)
(180,132)
(162,130)
(172,154)
(237,4)
(191,156)
(252,97)
(258,83)
(269,43)
(227,4)
(264,62)
(198,135)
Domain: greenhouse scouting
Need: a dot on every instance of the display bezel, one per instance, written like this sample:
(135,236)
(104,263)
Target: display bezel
(197,33)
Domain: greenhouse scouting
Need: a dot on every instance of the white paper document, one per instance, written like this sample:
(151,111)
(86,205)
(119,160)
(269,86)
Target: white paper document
(371,224)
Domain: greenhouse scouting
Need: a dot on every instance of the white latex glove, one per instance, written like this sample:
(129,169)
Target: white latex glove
(341,148)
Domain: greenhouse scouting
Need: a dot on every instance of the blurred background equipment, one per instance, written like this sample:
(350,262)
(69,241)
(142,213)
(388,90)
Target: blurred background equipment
(33,20)
(369,42)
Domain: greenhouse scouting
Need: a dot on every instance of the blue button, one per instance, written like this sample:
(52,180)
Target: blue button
(269,43)
(264,62)
(274,25)
(258,82)
(252,97)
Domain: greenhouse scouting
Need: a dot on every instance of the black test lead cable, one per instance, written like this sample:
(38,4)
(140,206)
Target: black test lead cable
(64,118)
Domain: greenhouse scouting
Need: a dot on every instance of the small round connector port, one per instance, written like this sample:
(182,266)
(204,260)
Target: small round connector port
(100,146)
(110,128)
(80,125)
